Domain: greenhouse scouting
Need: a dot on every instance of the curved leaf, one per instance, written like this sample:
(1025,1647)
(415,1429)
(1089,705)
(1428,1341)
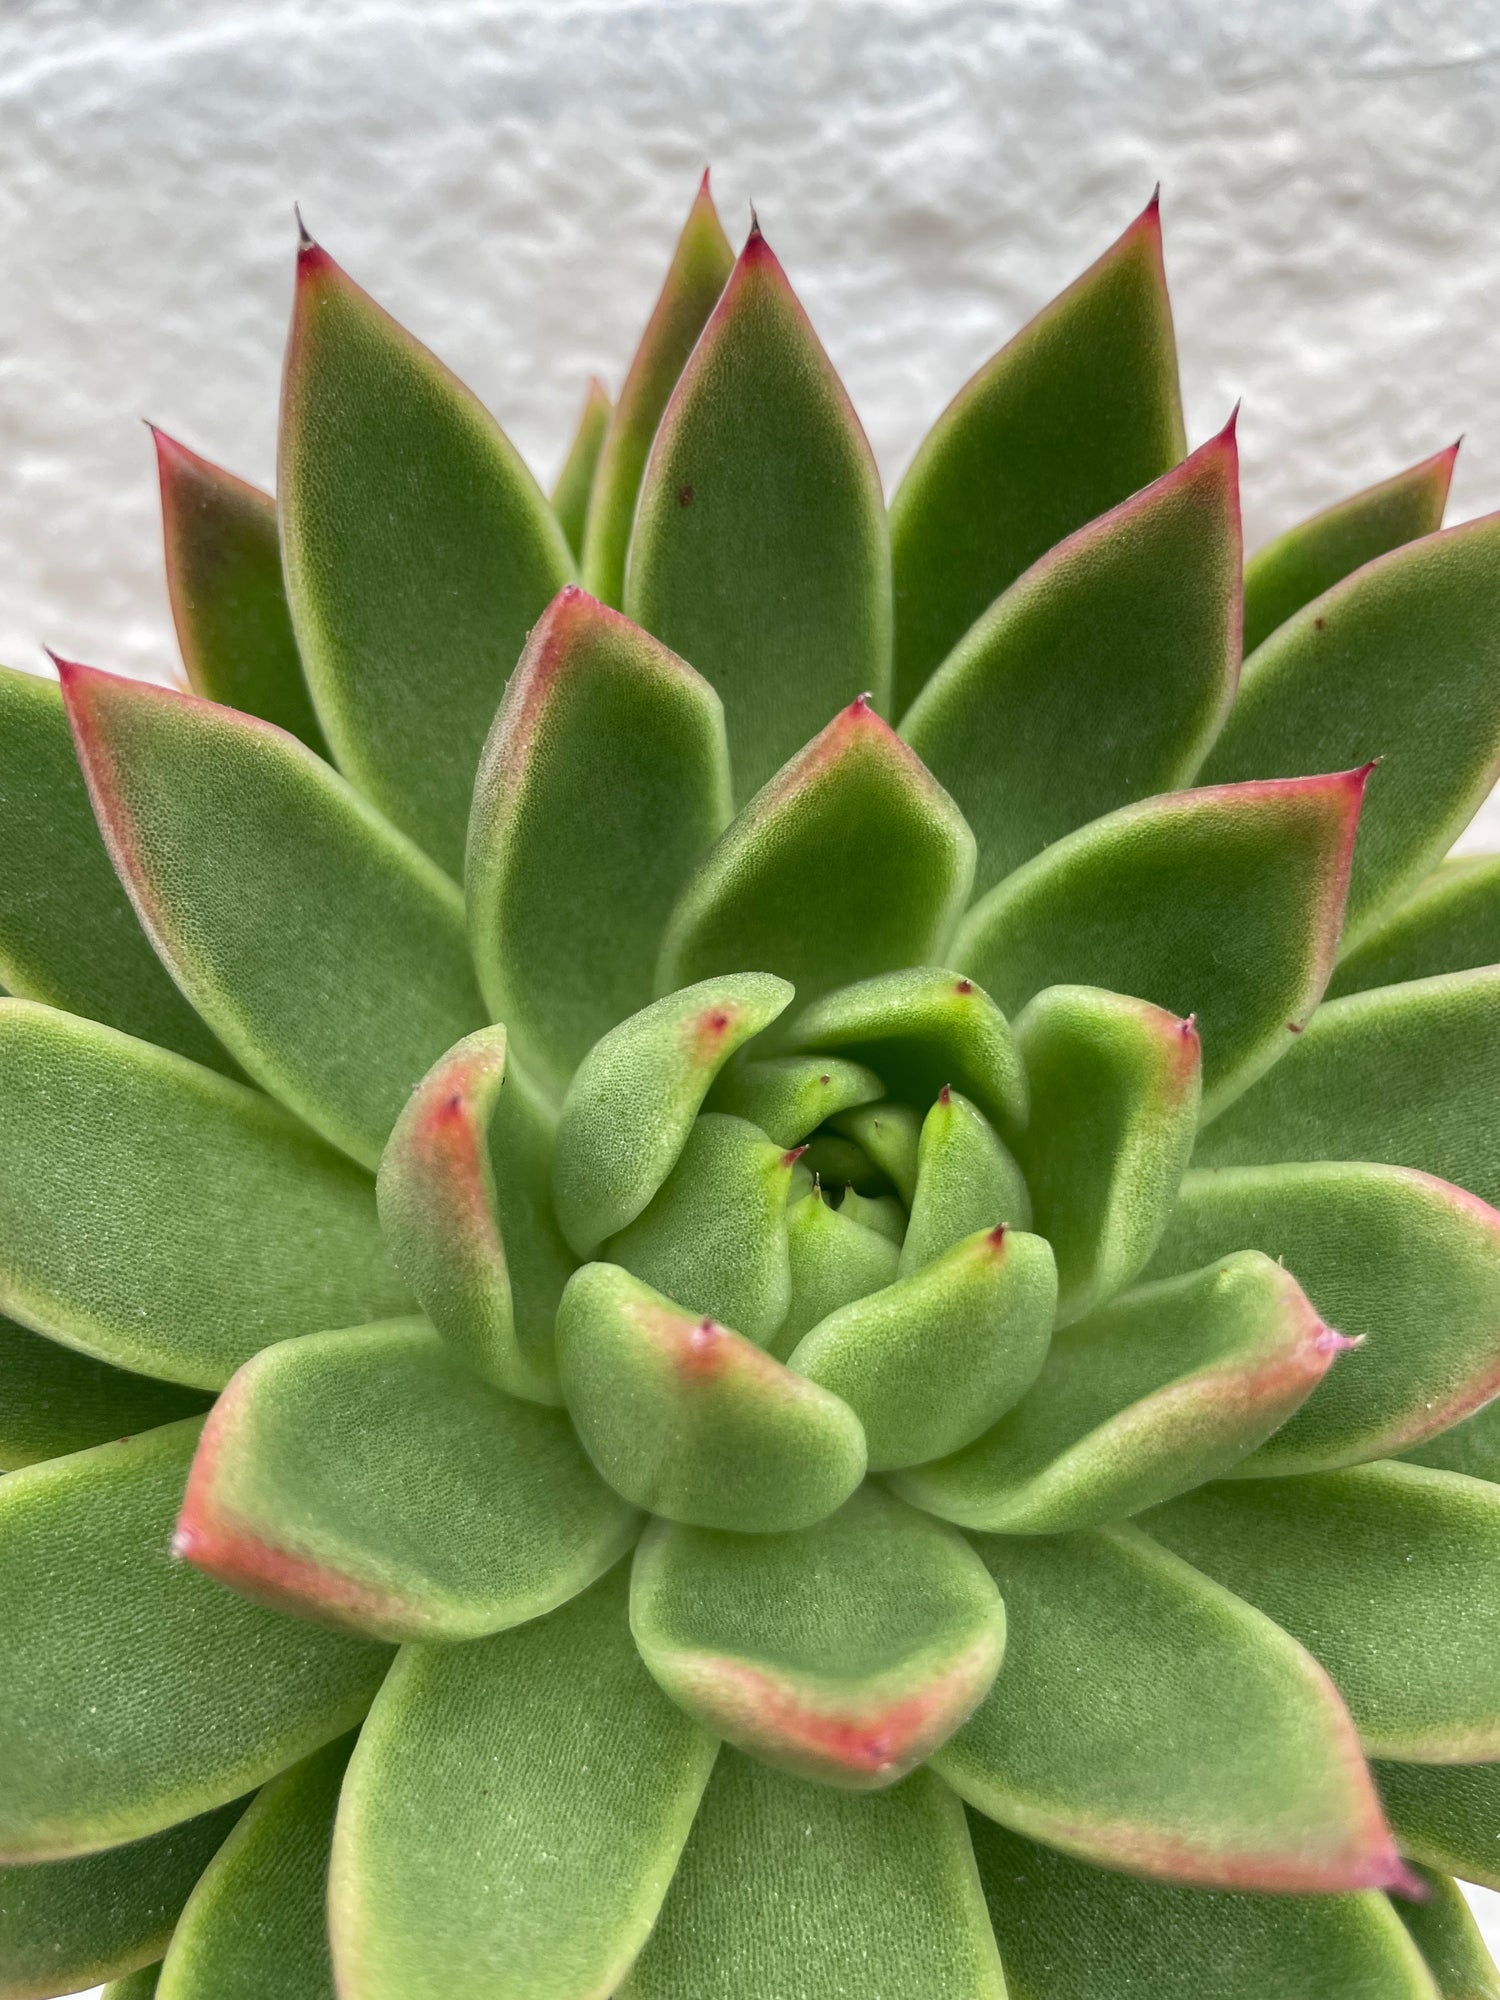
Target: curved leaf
(575,482)
(1472,1447)
(54,1400)
(603,782)
(846,1651)
(759,550)
(1224,904)
(790,1096)
(1388,1574)
(418,548)
(1196,1744)
(1405,1263)
(1080,409)
(1400,662)
(166,1219)
(1133,620)
(967,1179)
(1446,1815)
(881,1213)
(790,1888)
(325,951)
(139,1986)
(138,1692)
(1450,923)
(889,1135)
(1444,1930)
(834,1260)
(547,1871)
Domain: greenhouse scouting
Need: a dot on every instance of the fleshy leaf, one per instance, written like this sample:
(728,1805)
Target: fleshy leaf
(967,1179)
(57,1400)
(444,1225)
(1444,1930)
(1162,1389)
(847,1651)
(367,1479)
(1065,1928)
(921,1028)
(513,1814)
(138,1692)
(223,559)
(1133,620)
(575,482)
(693,1421)
(1321,551)
(1450,923)
(714,1236)
(68,935)
(1446,1815)
(418,549)
(837,1162)
(881,1213)
(323,949)
(784,1885)
(1394,1074)
(1388,1574)
(932,1361)
(1224,904)
(138,1986)
(1076,412)
(1115,1088)
(699,271)
(851,861)
(759,550)
(1472,1447)
(1400,662)
(164,1218)
(1150,1721)
(1404,1262)
(889,1134)
(790,1096)
(634,1097)
(257,1923)
(67,1924)
(834,1260)
(603,782)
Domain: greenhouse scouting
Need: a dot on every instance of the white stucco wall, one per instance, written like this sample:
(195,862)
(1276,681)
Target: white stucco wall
(507,177)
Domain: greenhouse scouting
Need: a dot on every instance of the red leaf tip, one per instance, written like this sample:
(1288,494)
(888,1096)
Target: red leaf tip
(964,987)
(1400,1881)
(945,1095)
(1330,1341)
(997,1236)
(304,234)
(792,1155)
(705,192)
(1188,1025)
(1230,431)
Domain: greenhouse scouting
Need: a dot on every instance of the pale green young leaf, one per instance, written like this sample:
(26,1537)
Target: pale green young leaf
(788,1097)
(967,1179)
(575,481)
(834,1260)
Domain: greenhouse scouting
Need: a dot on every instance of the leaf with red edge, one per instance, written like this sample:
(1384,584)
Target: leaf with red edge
(575,482)
(1133,620)
(1075,413)
(847,1651)
(1449,923)
(1148,1720)
(1224,904)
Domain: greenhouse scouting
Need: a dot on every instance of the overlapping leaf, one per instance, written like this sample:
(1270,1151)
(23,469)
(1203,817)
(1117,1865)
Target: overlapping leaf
(1449,923)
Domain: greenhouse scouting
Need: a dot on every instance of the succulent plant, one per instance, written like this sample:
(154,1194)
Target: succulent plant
(836,1377)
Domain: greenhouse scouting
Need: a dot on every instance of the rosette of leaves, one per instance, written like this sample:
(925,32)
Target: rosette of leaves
(701,1299)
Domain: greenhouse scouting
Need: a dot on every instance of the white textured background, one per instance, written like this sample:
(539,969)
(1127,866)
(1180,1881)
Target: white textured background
(508,177)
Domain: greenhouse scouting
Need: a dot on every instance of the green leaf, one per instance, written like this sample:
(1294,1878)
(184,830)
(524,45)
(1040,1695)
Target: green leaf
(889,1135)
(604,780)
(1407,1264)
(369,1480)
(139,1986)
(634,1097)
(852,861)
(1167,1387)
(166,1219)
(967,1179)
(759,550)
(1115,1089)
(68,935)
(513,1814)
(418,549)
(834,1260)
(932,1361)
(257,1923)
(1133,620)
(1388,1574)
(1067,1929)
(1399,662)
(1148,1720)
(1224,904)
(138,1692)
(1472,1447)
(575,482)
(1449,923)
(1446,1815)
(692,1420)
(846,1651)
(881,1213)
(922,1028)
(66,1924)
(441,1213)
(699,270)
(1443,1928)
(791,1888)
(835,1162)
(790,1096)
(1393,1075)
(714,1236)
(54,1400)
(223,559)
(1321,551)
(325,951)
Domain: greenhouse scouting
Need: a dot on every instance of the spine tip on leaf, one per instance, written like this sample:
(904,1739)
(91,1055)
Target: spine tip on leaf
(997,1235)
(963,987)
(1331,1341)
(945,1095)
(304,234)
(790,1158)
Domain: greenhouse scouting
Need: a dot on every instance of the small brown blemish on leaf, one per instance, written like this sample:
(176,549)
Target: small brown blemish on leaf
(684,496)
(1294,1028)
(964,986)
(1318,624)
